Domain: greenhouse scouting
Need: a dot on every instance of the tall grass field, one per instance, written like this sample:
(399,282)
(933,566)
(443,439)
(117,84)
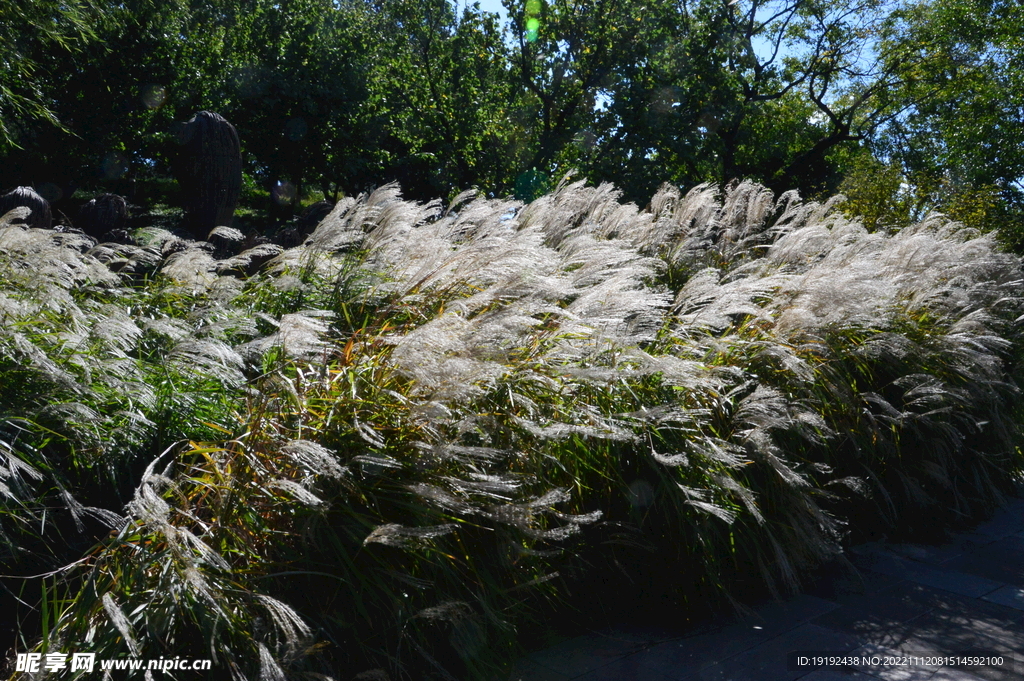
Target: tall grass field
(397,449)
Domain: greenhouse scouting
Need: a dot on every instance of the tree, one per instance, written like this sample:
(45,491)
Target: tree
(442,104)
(959,135)
(641,93)
(28,29)
(289,75)
(114,108)
(348,95)
(566,63)
(296,87)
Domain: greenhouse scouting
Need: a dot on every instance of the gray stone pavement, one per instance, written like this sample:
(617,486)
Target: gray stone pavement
(895,601)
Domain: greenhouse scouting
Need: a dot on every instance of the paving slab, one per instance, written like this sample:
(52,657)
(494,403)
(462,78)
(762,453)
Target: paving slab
(1002,560)
(731,670)
(969,541)
(645,636)
(921,573)
(952,635)
(954,675)
(885,669)
(626,668)
(947,601)
(688,657)
(930,648)
(778,618)
(966,623)
(965,595)
(1010,596)
(878,612)
(528,670)
(848,584)
(771,658)
(935,555)
(583,654)
(1008,521)
(836,675)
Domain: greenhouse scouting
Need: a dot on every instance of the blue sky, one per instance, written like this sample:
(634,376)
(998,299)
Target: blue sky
(491,6)
(762,47)
(496,7)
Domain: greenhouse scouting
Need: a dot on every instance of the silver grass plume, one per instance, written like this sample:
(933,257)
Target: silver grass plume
(300,335)
(121,623)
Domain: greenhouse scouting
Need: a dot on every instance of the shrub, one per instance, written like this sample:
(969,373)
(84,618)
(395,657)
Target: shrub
(405,435)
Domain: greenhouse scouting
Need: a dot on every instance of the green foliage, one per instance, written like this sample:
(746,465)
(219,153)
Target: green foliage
(295,87)
(709,91)
(960,131)
(531,184)
(887,198)
(877,193)
(442,108)
(431,92)
(342,97)
(26,31)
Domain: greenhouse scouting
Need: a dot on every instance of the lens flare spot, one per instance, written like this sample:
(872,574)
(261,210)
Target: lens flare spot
(641,494)
(283,193)
(532,29)
(154,96)
(114,165)
(296,129)
(585,139)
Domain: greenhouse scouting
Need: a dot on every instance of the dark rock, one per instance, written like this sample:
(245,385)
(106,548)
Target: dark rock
(259,256)
(63,222)
(250,261)
(295,233)
(40,218)
(253,240)
(65,229)
(227,241)
(172,246)
(288,237)
(105,213)
(119,236)
(209,171)
(127,259)
(313,216)
(247,256)
(75,238)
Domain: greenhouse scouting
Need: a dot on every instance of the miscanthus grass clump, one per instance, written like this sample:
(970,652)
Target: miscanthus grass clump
(397,443)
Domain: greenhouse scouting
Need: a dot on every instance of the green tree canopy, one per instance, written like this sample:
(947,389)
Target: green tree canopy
(959,135)
(28,30)
(346,95)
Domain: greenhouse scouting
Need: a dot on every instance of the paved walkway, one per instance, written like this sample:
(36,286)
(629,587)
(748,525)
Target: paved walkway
(903,600)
